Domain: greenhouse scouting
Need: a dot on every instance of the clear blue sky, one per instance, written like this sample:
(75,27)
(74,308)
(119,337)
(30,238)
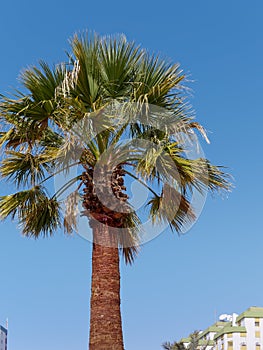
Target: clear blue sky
(177,284)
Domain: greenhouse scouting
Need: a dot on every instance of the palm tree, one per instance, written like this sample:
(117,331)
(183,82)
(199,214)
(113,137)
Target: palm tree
(196,343)
(73,115)
(193,343)
(173,346)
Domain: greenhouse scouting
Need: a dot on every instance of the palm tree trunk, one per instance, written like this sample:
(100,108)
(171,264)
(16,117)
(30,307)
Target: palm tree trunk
(105,315)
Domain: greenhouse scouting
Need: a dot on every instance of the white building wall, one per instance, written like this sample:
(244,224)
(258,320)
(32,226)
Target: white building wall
(252,340)
(250,327)
(237,340)
(3,340)
(260,329)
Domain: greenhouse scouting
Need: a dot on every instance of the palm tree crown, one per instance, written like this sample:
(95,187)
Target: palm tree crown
(193,343)
(79,114)
(37,124)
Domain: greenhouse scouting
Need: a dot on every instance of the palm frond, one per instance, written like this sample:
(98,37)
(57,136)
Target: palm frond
(21,133)
(43,218)
(71,212)
(42,83)
(173,346)
(172,208)
(51,139)
(155,163)
(23,168)
(118,61)
(36,213)
(86,77)
(128,237)
(198,173)
(156,81)
(14,204)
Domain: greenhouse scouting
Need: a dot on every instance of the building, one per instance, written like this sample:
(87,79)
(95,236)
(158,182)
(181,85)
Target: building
(233,332)
(3,338)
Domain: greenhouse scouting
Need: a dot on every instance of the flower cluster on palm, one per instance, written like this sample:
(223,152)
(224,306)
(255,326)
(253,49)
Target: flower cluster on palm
(79,113)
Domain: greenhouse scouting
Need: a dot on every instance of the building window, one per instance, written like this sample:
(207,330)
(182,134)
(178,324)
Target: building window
(257,322)
(229,335)
(257,334)
(243,334)
(230,345)
(243,347)
(257,347)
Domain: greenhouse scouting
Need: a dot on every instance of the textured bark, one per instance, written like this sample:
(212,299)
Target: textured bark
(105,315)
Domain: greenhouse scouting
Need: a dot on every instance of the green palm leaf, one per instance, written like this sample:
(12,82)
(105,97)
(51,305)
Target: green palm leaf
(23,168)
(76,114)
(37,214)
